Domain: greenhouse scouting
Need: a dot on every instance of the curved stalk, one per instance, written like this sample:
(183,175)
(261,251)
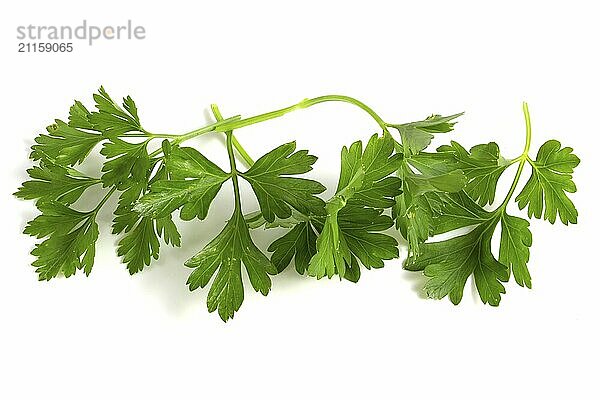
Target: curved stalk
(305,104)
(242,152)
(236,122)
(522,158)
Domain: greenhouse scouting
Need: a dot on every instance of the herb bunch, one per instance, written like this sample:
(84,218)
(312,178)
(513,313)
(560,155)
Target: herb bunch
(392,181)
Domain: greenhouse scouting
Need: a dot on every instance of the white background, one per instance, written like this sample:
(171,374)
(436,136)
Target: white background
(146,336)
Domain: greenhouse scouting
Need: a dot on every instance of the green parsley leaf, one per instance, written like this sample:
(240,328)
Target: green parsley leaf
(298,244)
(70,244)
(459,211)
(416,136)
(166,228)
(226,253)
(360,228)
(128,169)
(64,145)
(113,120)
(332,251)
(428,172)
(54,182)
(128,163)
(79,117)
(482,165)
(196,181)
(416,222)
(364,189)
(427,178)
(276,191)
(352,273)
(364,176)
(140,242)
(449,263)
(515,242)
(551,178)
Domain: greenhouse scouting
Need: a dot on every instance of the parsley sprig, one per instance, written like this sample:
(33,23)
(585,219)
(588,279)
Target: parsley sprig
(390,182)
(449,263)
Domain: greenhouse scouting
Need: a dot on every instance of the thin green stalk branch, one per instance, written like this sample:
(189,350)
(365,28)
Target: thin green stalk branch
(104,200)
(231,155)
(197,132)
(242,152)
(150,135)
(305,104)
(234,172)
(238,146)
(229,124)
(214,127)
(522,158)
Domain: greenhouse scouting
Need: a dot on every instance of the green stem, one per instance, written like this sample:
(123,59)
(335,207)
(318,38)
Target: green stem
(231,155)
(155,152)
(234,172)
(147,134)
(215,127)
(236,122)
(104,200)
(305,104)
(522,159)
(350,100)
(192,134)
(243,153)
